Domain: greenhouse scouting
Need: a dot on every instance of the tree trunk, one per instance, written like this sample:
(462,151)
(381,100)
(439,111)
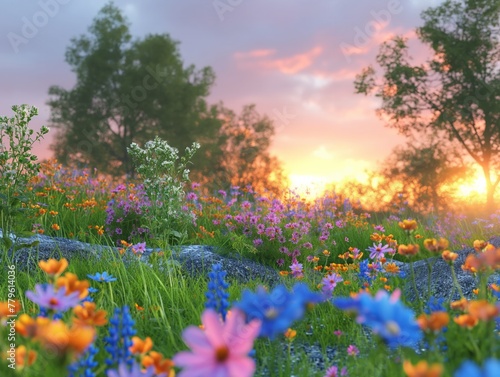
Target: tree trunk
(490,189)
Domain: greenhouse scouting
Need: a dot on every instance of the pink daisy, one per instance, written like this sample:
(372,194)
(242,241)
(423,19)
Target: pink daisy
(221,349)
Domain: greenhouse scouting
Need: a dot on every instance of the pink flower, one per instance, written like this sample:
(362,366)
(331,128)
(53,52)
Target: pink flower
(221,349)
(333,371)
(352,350)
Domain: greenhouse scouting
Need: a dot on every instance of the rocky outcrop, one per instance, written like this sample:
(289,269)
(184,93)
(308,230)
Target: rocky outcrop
(194,260)
(441,276)
(197,260)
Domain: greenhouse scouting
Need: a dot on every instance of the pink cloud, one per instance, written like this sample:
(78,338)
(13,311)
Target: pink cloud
(288,66)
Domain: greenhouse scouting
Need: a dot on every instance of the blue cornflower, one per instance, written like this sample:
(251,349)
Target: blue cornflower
(491,368)
(364,271)
(119,339)
(435,304)
(278,309)
(85,364)
(102,278)
(385,315)
(217,296)
(134,371)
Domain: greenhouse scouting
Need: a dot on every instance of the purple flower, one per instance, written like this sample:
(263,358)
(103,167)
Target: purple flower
(329,283)
(296,268)
(135,371)
(378,251)
(47,298)
(333,371)
(139,248)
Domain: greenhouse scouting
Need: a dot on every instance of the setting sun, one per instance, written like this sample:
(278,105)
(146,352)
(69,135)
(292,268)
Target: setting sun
(474,187)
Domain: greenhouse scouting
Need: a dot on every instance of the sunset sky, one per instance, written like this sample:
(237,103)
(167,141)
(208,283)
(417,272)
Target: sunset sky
(295,59)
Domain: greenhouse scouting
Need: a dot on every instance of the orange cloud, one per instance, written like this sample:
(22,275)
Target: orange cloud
(288,66)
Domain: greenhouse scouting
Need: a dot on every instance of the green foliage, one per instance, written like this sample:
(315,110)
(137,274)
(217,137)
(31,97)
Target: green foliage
(454,95)
(164,176)
(17,164)
(126,91)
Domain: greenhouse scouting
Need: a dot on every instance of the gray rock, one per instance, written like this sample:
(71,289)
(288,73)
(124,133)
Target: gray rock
(195,260)
(441,277)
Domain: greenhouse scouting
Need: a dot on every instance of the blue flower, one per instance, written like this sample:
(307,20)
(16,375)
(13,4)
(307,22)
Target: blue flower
(217,297)
(119,339)
(491,368)
(278,309)
(102,278)
(84,366)
(135,371)
(385,315)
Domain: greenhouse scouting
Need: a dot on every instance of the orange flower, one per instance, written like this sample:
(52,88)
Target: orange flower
(433,322)
(434,245)
(53,267)
(460,304)
(22,360)
(479,244)
(408,250)
(86,315)
(375,237)
(482,310)
(284,273)
(54,213)
(326,253)
(391,268)
(466,320)
(290,334)
(488,259)
(408,225)
(161,365)
(422,369)
(138,307)
(140,346)
(449,256)
(57,337)
(28,327)
(55,227)
(72,284)
(7,308)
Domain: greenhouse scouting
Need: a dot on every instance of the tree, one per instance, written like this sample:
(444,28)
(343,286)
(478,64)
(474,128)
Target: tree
(455,94)
(128,91)
(244,141)
(426,174)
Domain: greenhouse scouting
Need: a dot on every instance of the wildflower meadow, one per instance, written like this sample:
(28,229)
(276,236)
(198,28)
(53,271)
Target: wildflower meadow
(341,294)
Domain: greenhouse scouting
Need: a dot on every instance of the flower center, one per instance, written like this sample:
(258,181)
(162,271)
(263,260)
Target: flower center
(271,313)
(221,354)
(53,301)
(393,328)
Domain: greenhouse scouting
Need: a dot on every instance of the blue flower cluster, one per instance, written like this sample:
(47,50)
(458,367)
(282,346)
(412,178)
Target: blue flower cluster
(491,368)
(119,339)
(217,297)
(277,309)
(385,315)
(85,364)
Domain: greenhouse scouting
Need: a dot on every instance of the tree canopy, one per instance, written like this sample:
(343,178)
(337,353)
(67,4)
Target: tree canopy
(132,90)
(455,94)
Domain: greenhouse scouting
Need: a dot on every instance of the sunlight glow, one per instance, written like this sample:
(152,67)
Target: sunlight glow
(308,186)
(476,186)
